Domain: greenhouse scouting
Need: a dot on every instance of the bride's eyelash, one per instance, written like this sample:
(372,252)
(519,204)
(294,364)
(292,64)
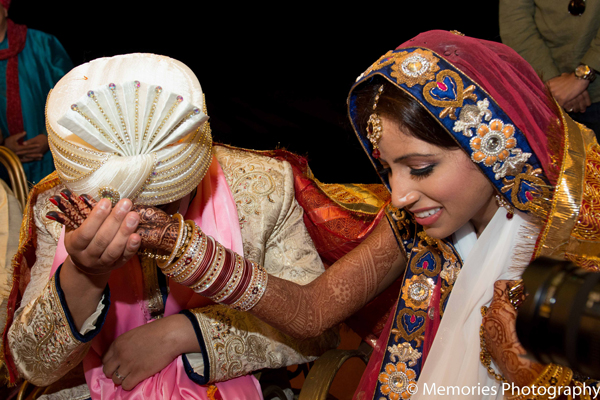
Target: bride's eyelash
(420,173)
(384,171)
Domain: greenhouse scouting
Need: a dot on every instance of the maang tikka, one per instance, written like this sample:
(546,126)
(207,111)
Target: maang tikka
(374,128)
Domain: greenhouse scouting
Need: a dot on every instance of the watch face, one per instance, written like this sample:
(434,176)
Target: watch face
(582,71)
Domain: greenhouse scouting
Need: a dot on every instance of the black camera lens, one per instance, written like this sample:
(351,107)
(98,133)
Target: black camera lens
(559,321)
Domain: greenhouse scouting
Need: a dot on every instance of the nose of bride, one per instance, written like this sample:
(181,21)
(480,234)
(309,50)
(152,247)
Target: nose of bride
(406,200)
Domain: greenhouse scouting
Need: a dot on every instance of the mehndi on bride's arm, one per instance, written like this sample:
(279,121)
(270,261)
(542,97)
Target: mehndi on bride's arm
(349,284)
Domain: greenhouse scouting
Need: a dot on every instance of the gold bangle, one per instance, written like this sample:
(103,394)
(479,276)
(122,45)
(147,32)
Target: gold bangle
(255,290)
(186,261)
(165,262)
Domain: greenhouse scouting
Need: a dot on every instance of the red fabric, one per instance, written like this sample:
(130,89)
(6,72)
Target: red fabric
(5,3)
(17,35)
(368,381)
(507,77)
(432,325)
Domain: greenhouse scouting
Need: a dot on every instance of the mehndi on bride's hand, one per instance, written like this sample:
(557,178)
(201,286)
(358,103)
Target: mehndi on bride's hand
(500,334)
(157,229)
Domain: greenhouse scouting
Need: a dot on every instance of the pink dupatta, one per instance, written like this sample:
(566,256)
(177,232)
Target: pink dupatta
(214,210)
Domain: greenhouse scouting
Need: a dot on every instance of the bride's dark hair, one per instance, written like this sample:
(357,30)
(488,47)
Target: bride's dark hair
(400,107)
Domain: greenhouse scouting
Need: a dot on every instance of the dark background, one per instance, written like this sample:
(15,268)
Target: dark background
(273,76)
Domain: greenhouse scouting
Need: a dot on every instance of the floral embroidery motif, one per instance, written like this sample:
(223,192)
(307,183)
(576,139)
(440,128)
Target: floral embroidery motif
(494,144)
(396,380)
(404,352)
(417,291)
(414,68)
(471,116)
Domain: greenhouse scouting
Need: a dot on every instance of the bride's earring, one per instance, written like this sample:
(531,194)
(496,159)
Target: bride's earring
(510,210)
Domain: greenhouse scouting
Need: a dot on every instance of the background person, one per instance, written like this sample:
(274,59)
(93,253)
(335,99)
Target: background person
(31,62)
(561,40)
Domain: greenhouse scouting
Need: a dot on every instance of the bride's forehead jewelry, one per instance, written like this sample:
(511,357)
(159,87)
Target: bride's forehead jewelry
(374,128)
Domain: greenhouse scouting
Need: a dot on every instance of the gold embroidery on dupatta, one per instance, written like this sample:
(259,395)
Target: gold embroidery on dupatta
(588,223)
(566,202)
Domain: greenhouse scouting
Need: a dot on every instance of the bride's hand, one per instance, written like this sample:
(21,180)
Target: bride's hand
(157,229)
(500,335)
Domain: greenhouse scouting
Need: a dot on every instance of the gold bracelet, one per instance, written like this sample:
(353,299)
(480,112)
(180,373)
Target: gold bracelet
(152,254)
(552,375)
(484,355)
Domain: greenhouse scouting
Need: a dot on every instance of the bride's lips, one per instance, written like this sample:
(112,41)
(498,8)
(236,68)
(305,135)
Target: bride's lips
(427,216)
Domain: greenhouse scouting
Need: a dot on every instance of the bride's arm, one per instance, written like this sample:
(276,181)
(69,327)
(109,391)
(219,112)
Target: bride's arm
(349,284)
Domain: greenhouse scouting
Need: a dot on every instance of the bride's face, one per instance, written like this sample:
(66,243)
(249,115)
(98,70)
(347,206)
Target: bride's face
(442,188)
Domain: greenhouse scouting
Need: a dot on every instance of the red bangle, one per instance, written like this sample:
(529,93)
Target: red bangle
(243,285)
(223,276)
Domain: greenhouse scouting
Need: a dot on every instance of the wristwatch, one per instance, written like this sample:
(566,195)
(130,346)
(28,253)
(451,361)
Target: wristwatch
(585,72)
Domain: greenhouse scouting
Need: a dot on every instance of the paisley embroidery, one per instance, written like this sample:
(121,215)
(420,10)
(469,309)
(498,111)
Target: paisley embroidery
(526,187)
(410,324)
(471,116)
(238,343)
(425,261)
(47,347)
(402,363)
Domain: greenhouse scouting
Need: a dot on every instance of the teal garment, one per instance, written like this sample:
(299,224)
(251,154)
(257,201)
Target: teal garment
(42,63)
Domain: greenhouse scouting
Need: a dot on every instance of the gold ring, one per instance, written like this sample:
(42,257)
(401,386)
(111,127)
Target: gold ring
(119,377)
